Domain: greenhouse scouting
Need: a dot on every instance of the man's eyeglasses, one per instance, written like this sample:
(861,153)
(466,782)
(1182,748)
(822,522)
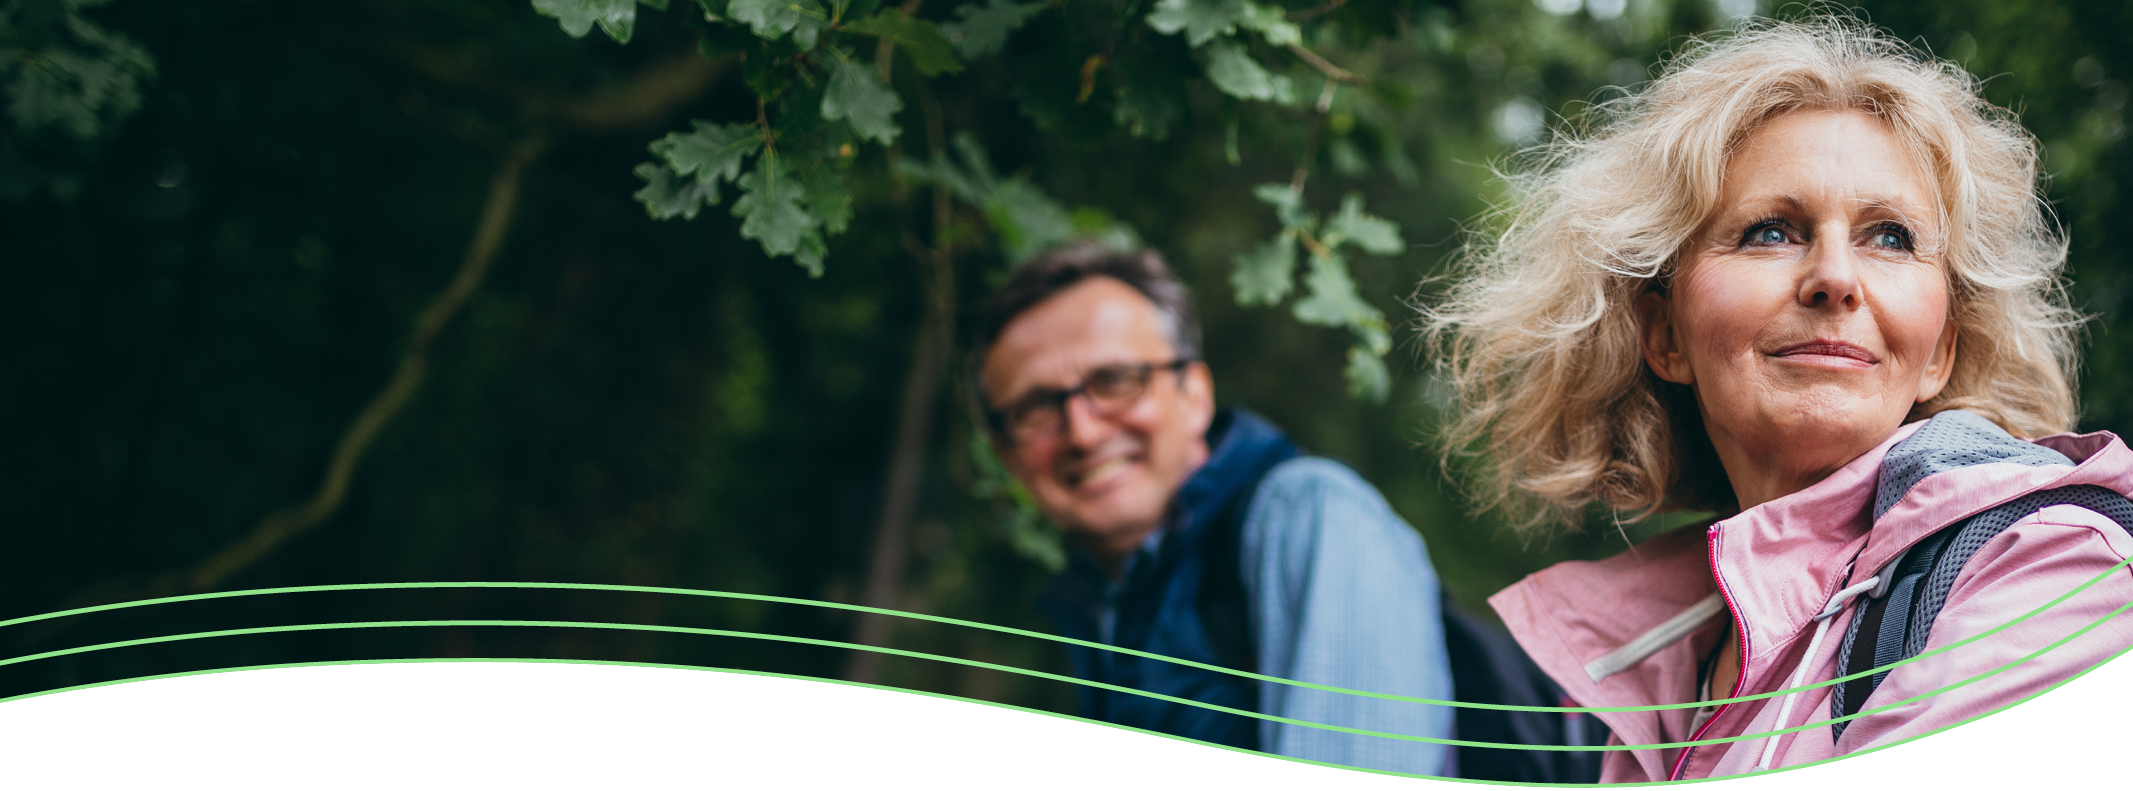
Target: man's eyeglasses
(1111,389)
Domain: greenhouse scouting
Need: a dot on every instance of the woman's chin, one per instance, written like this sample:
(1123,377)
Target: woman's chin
(1825,426)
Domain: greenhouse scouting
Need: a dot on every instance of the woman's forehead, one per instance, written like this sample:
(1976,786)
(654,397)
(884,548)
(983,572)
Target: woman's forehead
(1811,158)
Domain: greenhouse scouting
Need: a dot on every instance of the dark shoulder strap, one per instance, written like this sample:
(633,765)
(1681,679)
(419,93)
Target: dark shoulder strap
(1224,606)
(1894,626)
(1488,666)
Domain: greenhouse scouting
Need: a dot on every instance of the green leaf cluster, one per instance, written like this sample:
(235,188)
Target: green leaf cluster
(60,69)
(817,98)
(1209,26)
(787,209)
(1080,72)
(616,18)
(1024,219)
(1266,274)
(982,29)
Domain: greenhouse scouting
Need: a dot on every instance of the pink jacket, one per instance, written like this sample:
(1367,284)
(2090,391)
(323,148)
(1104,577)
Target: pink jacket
(1634,629)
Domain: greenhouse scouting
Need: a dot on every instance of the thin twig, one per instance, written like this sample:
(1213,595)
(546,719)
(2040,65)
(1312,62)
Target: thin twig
(1324,66)
(1318,10)
(884,51)
(646,99)
(1318,135)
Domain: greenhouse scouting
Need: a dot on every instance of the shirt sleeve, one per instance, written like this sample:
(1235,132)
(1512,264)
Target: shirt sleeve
(1343,594)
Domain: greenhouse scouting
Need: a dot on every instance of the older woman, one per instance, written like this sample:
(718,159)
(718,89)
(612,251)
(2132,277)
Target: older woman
(1803,280)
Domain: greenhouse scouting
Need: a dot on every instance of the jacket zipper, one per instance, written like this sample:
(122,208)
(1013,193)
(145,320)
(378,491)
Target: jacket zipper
(1740,679)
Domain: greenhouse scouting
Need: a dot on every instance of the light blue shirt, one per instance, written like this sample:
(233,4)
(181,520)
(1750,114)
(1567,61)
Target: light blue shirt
(1343,594)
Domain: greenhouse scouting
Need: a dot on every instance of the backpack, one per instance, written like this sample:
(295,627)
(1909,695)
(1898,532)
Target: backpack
(1897,618)
(1490,667)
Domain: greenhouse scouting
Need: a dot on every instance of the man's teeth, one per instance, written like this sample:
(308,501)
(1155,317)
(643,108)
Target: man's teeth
(1101,471)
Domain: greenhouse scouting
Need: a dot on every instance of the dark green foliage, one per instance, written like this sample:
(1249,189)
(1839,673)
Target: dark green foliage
(713,153)
(772,212)
(617,18)
(60,69)
(929,52)
(982,29)
(854,96)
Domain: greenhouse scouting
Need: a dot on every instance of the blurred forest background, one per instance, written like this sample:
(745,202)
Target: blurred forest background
(272,243)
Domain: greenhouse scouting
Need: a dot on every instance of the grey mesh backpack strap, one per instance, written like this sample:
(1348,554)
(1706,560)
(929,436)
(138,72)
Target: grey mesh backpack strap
(1894,622)
(1893,625)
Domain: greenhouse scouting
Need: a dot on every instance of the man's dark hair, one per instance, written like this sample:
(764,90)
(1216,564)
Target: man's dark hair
(1061,267)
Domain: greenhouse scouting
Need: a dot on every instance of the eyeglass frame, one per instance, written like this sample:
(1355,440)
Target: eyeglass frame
(997,418)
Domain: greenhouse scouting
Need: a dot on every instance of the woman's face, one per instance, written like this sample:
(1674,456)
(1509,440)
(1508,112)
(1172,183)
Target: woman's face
(1811,309)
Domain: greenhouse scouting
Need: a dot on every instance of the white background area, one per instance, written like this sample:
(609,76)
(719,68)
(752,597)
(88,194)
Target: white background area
(539,726)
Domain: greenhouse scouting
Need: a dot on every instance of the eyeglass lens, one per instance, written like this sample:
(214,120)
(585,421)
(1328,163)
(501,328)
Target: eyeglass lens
(1109,388)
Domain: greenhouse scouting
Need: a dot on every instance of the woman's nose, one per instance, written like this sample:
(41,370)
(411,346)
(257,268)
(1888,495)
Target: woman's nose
(1832,276)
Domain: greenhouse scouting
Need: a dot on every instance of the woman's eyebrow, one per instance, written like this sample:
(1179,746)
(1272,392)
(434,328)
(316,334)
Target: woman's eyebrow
(1764,204)
(1890,208)
(1886,201)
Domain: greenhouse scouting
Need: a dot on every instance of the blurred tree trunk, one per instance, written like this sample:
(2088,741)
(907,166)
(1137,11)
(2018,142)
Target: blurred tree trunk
(907,460)
(934,347)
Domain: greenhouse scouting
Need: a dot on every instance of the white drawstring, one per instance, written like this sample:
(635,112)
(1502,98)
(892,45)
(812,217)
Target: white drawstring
(1836,605)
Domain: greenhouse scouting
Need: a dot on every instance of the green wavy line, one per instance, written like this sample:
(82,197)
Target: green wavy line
(1054,638)
(1009,706)
(1044,675)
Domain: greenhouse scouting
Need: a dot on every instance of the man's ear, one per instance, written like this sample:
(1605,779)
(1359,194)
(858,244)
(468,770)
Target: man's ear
(1655,330)
(1941,366)
(1199,395)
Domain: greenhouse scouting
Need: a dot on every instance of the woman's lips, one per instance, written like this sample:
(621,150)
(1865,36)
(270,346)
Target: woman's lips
(1827,352)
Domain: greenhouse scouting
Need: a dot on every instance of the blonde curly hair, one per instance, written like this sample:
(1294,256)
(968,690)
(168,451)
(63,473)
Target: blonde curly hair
(1537,334)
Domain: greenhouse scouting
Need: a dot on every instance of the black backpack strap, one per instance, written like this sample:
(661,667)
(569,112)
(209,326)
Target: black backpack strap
(1893,626)
(1490,667)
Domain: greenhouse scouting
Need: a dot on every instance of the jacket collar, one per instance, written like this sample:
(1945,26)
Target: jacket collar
(1242,448)
(1780,561)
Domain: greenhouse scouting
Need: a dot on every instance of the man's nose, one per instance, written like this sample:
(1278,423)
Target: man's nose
(1832,276)
(1084,428)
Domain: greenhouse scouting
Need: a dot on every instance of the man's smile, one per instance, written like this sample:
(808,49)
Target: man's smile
(1095,476)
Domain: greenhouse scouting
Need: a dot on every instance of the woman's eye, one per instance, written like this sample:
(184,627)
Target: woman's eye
(1766,235)
(1892,238)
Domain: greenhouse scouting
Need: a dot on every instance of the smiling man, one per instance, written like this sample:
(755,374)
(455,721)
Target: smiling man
(1203,534)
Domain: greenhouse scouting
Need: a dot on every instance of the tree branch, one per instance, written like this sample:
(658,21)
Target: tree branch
(1318,135)
(287,523)
(647,98)
(1321,9)
(886,50)
(1326,67)
(277,528)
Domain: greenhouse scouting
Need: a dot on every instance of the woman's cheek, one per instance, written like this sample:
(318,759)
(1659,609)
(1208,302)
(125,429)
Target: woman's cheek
(1727,312)
(1918,317)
